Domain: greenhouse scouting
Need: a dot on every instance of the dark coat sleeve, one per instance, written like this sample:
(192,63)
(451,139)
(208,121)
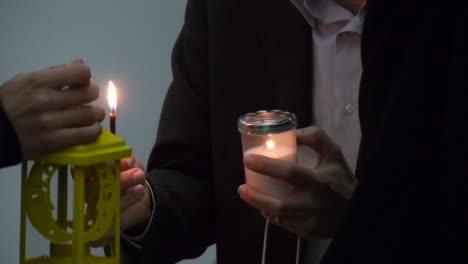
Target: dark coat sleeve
(179,167)
(10,150)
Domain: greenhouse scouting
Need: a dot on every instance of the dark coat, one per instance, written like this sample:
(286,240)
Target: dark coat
(10,148)
(411,206)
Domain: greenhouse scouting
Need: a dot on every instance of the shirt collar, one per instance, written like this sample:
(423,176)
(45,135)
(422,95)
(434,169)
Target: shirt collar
(328,11)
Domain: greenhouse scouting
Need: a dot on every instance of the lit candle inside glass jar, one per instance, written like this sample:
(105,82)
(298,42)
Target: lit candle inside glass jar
(271,134)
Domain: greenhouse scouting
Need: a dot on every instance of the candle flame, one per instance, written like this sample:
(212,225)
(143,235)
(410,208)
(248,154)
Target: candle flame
(270,144)
(112,96)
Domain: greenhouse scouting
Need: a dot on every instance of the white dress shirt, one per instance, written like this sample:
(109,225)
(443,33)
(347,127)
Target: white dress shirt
(337,70)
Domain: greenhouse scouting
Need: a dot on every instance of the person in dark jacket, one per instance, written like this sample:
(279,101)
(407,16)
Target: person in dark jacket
(234,57)
(45,110)
(410,205)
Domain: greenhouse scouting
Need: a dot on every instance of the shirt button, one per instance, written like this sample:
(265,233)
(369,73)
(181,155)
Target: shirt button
(349,109)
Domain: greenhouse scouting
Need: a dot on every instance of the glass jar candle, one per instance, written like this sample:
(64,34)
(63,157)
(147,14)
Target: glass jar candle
(271,134)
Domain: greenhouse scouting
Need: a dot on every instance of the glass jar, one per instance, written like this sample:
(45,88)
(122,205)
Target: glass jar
(271,134)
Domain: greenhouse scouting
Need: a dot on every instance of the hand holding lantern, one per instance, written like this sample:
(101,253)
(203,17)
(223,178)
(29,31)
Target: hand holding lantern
(46,108)
(135,198)
(70,239)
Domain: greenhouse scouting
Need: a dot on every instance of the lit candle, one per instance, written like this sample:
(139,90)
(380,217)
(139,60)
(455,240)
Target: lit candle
(265,183)
(112,100)
(271,134)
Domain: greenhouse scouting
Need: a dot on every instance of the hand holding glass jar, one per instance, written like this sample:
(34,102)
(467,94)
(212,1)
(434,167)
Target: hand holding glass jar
(310,202)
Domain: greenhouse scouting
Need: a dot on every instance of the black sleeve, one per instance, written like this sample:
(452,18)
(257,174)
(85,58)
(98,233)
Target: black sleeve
(10,151)
(179,167)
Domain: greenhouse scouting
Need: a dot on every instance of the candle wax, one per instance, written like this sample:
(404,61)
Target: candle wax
(112,117)
(265,183)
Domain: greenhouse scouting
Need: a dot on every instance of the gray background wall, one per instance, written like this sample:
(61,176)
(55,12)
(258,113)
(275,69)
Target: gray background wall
(126,41)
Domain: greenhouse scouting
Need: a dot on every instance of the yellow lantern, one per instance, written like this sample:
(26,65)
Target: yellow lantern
(93,214)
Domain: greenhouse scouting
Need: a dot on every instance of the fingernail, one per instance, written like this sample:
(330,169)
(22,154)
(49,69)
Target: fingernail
(139,193)
(242,191)
(78,61)
(139,176)
(100,113)
(249,162)
(124,164)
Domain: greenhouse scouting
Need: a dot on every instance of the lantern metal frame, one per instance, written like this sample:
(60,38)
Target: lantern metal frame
(69,239)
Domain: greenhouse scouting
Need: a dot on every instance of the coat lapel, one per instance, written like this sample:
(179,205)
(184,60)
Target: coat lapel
(287,42)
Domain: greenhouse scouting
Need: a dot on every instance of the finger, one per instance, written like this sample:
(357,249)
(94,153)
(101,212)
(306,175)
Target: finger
(131,178)
(138,164)
(324,226)
(132,162)
(64,75)
(337,180)
(56,139)
(44,98)
(74,61)
(60,99)
(306,204)
(287,171)
(55,66)
(316,138)
(132,196)
(306,226)
(303,227)
(133,215)
(125,164)
(259,200)
(69,118)
(300,205)
(106,240)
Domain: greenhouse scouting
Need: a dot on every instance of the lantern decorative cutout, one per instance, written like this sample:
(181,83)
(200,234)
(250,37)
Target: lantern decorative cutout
(94,212)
